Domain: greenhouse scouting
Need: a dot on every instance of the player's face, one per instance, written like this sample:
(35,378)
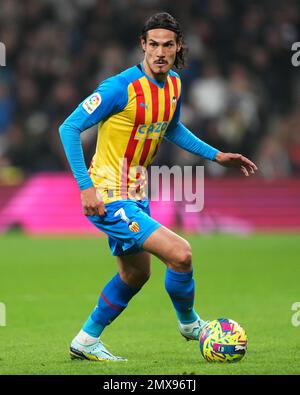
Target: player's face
(160,50)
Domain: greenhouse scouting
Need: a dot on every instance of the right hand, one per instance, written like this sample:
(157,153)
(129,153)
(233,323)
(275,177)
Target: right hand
(91,203)
(236,160)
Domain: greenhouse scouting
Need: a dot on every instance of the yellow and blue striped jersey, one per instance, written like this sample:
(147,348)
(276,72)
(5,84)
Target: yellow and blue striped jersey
(133,112)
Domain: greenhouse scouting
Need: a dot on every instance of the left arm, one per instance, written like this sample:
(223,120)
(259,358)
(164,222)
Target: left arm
(178,134)
(184,138)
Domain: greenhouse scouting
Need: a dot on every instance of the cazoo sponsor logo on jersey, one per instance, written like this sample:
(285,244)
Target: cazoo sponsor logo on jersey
(152,131)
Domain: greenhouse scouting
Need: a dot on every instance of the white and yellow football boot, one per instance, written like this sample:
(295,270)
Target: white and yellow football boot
(93,352)
(193,330)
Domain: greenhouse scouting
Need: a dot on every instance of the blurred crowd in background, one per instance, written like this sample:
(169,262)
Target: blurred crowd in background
(240,90)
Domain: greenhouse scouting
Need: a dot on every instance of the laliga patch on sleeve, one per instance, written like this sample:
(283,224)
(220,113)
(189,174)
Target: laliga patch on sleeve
(92,102)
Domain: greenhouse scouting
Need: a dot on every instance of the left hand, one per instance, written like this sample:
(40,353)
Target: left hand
(236,160)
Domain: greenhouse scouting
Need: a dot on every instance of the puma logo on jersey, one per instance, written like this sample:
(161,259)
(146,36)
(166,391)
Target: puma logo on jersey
(144,105)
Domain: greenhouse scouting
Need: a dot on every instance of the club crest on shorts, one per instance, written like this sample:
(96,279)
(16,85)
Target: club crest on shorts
(134,226)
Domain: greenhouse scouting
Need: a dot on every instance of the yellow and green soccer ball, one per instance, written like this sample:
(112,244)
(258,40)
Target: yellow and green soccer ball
(223,340)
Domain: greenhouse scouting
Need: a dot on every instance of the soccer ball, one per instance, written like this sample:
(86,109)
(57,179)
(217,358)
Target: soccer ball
(223,340)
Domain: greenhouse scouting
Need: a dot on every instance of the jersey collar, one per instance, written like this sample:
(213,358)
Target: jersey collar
(159,84)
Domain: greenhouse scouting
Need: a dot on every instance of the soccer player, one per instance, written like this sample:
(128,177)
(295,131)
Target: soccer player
(135,110)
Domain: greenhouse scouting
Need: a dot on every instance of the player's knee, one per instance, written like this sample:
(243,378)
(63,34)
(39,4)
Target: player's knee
(183,259)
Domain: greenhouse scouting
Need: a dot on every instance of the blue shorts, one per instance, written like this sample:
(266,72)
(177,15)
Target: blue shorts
(128,224)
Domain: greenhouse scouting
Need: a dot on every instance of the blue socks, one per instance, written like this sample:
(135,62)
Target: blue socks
(181,289)
(113,300)
(116,294)
(92,328)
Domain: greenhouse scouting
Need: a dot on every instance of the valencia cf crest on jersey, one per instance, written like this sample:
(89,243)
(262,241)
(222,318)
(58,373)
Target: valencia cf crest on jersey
(174,101)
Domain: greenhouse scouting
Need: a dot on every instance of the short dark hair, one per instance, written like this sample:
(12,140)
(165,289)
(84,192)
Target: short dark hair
(163,20)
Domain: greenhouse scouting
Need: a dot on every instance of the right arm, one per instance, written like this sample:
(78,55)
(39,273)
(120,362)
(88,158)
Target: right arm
(108,98)
(70,136)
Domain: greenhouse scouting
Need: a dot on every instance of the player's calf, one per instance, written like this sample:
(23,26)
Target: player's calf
(134,278)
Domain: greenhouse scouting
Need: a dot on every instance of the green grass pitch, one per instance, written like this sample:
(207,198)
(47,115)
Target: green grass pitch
(50,285)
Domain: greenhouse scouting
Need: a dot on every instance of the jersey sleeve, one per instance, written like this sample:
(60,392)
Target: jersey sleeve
(110,97)
(180,135)
(185,139)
